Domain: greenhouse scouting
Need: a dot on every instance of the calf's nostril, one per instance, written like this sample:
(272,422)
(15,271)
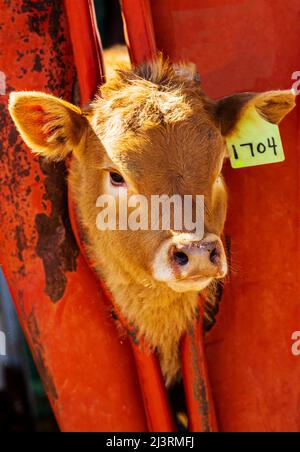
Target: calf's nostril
(214,256)
(180,258)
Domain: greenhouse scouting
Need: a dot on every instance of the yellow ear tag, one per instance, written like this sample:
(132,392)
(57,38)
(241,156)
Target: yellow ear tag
(254,142)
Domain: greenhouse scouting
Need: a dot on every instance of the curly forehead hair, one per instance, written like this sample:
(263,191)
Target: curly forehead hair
(154,93)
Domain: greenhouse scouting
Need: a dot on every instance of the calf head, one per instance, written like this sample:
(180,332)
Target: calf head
(152,132)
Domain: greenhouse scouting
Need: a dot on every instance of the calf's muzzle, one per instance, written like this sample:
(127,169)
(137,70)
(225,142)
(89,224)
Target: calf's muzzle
(198,258)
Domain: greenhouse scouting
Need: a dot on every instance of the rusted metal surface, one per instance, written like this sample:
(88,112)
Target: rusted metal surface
(56,245)
(18,169)
(200,404)
(87,370)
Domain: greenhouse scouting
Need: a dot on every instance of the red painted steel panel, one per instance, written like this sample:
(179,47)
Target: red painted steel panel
(199,400)
(249,46)
(88,372)
(86,44)
(157,407)
(139,30)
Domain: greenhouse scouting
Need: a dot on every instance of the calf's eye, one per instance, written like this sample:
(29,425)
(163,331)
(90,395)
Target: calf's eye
(116,179)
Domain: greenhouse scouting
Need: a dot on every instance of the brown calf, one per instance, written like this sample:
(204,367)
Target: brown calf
(152,132)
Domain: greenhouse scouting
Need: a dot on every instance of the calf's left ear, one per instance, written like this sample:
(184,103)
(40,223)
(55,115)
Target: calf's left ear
(273,106)
(48,125)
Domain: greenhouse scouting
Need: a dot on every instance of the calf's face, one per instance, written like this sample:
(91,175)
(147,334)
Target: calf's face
(171,160)
(149,137)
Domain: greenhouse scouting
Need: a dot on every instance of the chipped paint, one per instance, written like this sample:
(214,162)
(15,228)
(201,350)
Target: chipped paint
(48,231)
(56,245)
(39,356)
(33,195)
(199,387)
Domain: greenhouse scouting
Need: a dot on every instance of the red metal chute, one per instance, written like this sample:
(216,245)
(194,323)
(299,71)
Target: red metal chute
(88,372)
(86,44)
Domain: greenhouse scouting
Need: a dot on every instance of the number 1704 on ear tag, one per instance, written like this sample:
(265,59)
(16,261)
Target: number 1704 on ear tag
(255,142)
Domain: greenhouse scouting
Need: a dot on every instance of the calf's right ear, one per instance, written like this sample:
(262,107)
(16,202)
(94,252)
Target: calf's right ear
(48,125)
(273,106)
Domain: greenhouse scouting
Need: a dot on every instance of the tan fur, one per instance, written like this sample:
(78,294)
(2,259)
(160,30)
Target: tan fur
(157,128)
(115,57)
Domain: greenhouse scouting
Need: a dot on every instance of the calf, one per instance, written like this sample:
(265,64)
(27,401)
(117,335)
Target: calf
(152,131)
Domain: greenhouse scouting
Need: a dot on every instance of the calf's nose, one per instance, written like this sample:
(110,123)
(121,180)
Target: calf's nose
(204,258)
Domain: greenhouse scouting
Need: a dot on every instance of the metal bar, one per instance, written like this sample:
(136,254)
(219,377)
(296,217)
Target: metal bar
(86,45)
(156,402)
(139,30)
(201,412)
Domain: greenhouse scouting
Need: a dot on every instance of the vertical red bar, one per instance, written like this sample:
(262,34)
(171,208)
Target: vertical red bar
(159,415)
(198,394)
(87,47)
(139,30)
